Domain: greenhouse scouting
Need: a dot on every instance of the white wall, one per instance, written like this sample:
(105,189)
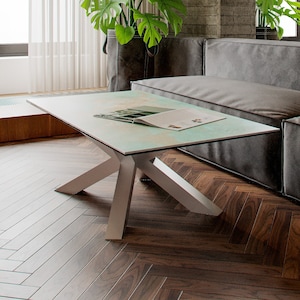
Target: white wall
(14,75)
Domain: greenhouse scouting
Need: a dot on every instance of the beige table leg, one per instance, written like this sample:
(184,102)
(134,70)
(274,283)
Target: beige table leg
(176,186)
(122,198)
(90,177)
(94,175)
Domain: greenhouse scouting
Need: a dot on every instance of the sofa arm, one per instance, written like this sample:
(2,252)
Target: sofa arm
(179,56)
(291,158)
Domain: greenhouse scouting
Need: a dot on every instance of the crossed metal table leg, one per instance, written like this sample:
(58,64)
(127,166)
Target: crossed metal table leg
(155,169)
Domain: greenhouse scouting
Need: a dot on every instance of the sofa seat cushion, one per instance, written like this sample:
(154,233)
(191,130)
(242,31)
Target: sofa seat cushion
(257,102)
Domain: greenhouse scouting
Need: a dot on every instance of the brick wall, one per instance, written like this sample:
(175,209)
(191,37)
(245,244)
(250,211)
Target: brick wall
(219,18)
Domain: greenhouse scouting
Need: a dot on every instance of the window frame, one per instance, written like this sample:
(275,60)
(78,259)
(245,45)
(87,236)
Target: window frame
(7,50)
(293,38)
(15,47)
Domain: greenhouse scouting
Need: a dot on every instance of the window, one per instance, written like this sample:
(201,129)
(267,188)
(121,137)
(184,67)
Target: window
(291,29)
(14,27)
(289,26)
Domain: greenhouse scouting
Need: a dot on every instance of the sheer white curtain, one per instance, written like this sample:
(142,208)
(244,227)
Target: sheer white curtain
(65,52)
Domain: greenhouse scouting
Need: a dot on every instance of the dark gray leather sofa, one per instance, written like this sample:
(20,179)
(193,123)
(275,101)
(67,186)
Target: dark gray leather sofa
(254,79)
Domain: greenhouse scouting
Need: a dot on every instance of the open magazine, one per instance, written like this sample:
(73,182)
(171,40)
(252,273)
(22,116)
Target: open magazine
(173,119)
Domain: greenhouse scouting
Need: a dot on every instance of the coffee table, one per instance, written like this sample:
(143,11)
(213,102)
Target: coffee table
(132,146)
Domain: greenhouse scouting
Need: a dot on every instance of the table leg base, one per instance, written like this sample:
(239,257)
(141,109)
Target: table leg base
(153,168)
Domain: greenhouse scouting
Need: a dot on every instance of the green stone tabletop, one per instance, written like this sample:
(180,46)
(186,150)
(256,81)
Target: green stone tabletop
(78,111)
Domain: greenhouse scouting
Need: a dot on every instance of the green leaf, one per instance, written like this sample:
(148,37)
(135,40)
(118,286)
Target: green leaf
(150,28)
(124,34)
(170,10)
(86,4)
(294,11)
(279,32)
(104,13)
(293,3)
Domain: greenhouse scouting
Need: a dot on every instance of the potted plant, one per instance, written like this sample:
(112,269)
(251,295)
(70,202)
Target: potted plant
(135,33)
(269,13)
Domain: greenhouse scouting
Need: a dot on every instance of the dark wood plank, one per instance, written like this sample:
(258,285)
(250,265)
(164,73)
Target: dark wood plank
(276,247)
(148,288)
(242,228)
(109,276)
(233,285)
(261,230)
(194,295)
(166,294)
(88,275)
(130,280)
(231,212)
(291,267)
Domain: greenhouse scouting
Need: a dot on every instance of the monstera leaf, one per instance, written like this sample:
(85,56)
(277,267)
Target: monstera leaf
(104,13)
(124,34)
(170,10)
(150,28)
(294,11)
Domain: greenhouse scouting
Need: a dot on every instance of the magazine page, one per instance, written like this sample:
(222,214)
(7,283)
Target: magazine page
(131,115)
(178,119)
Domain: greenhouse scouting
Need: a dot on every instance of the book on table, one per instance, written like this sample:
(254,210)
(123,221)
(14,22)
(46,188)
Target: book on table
(167,118)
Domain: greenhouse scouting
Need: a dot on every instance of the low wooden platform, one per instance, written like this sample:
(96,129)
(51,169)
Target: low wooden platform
(23,121)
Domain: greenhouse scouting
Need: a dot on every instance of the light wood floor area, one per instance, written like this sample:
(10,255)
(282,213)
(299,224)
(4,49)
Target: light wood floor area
(52,245)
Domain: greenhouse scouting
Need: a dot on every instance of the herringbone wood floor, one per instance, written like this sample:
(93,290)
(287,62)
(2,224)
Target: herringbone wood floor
(53,246)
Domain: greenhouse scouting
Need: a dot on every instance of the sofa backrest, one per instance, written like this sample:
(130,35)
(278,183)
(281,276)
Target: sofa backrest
(179,56)
(262,61)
